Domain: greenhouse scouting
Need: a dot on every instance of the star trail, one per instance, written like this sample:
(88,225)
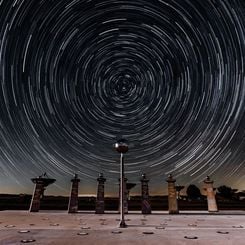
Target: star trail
(167,75)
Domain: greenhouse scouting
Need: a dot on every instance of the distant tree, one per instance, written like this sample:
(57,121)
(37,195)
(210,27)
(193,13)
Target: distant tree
(193,192)
(226,191)
(178,190)
(241,195)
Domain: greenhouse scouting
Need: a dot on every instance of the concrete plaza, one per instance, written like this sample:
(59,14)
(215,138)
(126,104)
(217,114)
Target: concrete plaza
(53,227)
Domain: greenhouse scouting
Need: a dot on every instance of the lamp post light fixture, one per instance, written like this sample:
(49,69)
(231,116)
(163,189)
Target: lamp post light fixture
(122,147)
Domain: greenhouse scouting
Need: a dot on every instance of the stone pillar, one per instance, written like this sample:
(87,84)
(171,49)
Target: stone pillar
(37,194)
(40,183)
(145,204)
(208,187)
(172,198)
(100,201)
(73,201)
(125,196)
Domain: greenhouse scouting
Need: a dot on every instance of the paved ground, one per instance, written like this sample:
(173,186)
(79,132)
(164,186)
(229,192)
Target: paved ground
(87,228)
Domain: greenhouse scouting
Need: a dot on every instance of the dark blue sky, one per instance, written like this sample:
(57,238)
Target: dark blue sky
(77,75)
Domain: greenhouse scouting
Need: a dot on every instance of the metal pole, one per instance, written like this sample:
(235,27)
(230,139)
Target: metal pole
(122,221)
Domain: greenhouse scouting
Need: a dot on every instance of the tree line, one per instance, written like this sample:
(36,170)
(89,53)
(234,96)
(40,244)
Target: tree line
(225,192)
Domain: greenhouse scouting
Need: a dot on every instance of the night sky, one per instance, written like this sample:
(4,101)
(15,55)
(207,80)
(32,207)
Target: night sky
(76,76)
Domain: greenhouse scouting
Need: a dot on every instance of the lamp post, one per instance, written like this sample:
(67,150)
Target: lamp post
(122,147)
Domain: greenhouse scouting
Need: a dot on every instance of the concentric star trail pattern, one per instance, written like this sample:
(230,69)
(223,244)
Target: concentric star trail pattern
(167,75)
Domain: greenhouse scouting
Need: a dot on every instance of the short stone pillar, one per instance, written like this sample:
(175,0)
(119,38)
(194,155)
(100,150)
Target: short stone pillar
(40,184)
(145,203)
(208,187)
(36,197)
(125,204)
(100,200)
(172,197)
(73,201)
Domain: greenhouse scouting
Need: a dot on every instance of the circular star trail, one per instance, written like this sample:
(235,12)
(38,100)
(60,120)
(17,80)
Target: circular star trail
(168,76)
